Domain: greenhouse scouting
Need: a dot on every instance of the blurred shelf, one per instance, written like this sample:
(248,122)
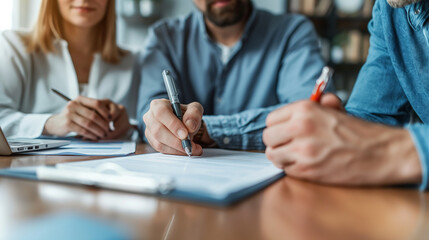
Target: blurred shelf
(339,18)
(346,67)
(342,36)
(336,24)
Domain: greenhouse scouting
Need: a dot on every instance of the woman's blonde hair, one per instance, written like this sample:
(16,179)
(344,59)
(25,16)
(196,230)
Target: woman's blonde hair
(49,27)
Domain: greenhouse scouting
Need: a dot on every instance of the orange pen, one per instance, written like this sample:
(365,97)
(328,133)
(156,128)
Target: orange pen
(321,84)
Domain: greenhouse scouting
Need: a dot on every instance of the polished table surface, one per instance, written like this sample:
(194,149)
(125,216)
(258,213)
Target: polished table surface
(287,209)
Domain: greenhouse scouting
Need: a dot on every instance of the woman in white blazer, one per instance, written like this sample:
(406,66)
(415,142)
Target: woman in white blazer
(72,49)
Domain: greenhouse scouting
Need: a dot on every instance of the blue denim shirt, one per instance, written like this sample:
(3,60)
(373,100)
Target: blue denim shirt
(395,79)
(276,61)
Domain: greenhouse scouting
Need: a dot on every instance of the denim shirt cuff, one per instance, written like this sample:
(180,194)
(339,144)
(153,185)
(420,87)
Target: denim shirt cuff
(225,131)
(419,134)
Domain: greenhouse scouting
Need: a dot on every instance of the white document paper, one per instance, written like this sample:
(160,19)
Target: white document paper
(82,148)
(217,173)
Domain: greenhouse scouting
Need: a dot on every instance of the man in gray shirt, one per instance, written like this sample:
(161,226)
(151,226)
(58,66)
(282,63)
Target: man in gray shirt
(231,61)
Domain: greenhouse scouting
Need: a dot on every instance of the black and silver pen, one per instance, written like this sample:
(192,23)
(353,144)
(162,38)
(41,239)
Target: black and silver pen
(173,95)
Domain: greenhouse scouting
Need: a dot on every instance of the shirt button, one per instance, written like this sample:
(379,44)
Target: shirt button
(417,11)
(226,140)
(219,100)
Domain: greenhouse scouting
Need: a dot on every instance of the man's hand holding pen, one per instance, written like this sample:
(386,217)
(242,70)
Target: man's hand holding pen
(171,126)
(319,141)
(165,131)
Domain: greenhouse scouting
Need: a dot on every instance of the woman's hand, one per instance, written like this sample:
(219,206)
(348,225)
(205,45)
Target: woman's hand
(120,122)
(89,118)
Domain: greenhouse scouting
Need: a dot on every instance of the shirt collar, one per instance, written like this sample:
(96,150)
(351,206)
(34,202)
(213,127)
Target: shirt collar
(63,45)
(60,43)
(247,28)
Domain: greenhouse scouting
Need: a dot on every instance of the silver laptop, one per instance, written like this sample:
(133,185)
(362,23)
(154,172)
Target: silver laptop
(18,145)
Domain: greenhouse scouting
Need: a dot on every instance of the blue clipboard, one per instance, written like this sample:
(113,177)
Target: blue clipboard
(255,173)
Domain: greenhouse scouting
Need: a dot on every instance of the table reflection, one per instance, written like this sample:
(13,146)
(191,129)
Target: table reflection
(176,220)
(53,194)
(299,210)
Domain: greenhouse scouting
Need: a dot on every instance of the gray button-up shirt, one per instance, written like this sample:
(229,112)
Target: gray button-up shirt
(276,62)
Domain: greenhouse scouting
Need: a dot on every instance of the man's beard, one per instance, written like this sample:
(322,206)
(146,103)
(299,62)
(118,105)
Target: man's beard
(401,3)
(228,15)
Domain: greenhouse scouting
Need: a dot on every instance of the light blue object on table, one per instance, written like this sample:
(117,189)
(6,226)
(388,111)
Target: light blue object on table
(68,226)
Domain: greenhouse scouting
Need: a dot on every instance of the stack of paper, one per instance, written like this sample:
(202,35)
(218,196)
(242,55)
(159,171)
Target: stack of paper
(83,148)
(217,175)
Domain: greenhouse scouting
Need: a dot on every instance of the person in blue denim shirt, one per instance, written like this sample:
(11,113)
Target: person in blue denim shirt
(322,144)
(231,61)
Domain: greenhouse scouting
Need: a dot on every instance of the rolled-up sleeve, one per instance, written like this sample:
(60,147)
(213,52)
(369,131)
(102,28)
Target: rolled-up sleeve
(377,95)
(239,131)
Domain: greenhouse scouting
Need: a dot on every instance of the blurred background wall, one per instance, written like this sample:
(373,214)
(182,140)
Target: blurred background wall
(131,31)
(134,16)
(341,25)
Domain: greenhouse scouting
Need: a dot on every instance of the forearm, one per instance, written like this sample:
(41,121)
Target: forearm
(401,158)
(420,137)
(379,154)
(389,156)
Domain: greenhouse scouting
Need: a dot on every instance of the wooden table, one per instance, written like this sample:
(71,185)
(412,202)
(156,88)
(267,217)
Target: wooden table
(288,209)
